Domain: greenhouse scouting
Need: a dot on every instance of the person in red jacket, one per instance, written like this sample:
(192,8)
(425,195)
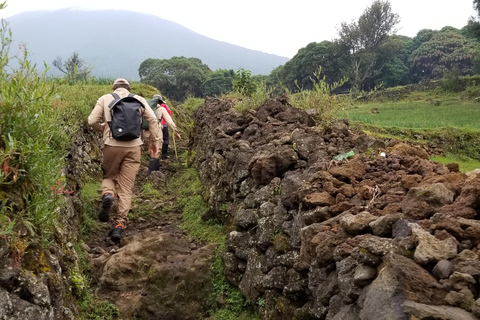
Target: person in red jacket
(166,135)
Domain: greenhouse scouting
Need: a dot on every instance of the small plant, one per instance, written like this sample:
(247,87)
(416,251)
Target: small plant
(370,154)
(277,191)
(244,83)
(6,224)
(78,282)
(261,302)
(223,210)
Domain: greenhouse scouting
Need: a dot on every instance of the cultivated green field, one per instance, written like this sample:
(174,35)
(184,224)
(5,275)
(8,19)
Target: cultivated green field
(425,117)
(419,114)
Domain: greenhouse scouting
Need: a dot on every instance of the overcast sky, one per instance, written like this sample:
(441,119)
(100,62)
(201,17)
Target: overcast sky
(273,26)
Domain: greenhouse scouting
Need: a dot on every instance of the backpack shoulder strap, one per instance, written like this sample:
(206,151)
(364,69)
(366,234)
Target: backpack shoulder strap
(132,95)
(116,97)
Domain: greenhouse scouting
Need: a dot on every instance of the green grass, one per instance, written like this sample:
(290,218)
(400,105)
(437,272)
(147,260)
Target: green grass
(90,200)
(418,114)
(465,165)
(445,119)
(191,104)
(188,187)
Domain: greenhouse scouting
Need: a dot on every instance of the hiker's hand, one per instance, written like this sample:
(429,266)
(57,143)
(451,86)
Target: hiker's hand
(102,126)
(177,135)
(153,150)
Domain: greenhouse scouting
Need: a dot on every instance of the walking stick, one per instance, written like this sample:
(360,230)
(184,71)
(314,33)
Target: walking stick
(175,147)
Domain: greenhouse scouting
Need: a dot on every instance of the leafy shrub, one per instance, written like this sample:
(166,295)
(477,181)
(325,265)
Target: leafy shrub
(244,83)
(451,81)
(471,92)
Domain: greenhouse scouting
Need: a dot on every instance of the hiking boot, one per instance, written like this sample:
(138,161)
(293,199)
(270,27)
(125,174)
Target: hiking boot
(116,233)
(107,201)
(153,165)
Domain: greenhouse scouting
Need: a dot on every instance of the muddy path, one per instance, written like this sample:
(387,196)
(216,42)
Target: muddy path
(157,271)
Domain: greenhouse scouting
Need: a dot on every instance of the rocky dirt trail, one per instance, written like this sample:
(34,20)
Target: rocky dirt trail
(166,222)
(157,271)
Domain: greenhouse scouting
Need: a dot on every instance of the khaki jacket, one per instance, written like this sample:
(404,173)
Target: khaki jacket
(101,114)
(162,113)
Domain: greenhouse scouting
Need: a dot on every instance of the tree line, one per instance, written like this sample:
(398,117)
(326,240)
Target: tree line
(367,52)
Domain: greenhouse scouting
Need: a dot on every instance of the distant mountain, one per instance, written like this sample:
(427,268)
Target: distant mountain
(116,42)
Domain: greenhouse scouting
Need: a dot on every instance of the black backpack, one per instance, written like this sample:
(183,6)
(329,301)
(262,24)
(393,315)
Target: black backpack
(126,117)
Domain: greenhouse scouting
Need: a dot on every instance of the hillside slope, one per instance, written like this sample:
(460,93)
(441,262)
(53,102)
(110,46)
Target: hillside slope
(116,42)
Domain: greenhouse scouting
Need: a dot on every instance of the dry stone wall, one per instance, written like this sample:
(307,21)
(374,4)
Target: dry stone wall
(374,236)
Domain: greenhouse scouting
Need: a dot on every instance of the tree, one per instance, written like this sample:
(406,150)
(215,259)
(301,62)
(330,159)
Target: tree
(363,39)
(300,69)
(218,82)
(473,25)
(274,82)
(394,54)
(445,50)
(74,68)
(177,77)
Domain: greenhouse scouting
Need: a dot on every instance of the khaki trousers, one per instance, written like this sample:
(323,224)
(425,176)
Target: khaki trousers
(120,167)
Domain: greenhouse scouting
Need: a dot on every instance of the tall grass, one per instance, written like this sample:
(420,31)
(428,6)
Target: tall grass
(319,98)
(243,102)
(33,143)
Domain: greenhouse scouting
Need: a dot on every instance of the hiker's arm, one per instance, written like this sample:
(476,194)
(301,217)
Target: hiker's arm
(170,123)
(96,116)
(168,119)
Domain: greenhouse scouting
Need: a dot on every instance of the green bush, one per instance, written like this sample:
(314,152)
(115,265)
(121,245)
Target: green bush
(471,92)
(451,81)
(244,83)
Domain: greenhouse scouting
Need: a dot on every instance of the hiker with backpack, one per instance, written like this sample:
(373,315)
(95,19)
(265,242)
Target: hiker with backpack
(163,113)
(165,132)
(118,116)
